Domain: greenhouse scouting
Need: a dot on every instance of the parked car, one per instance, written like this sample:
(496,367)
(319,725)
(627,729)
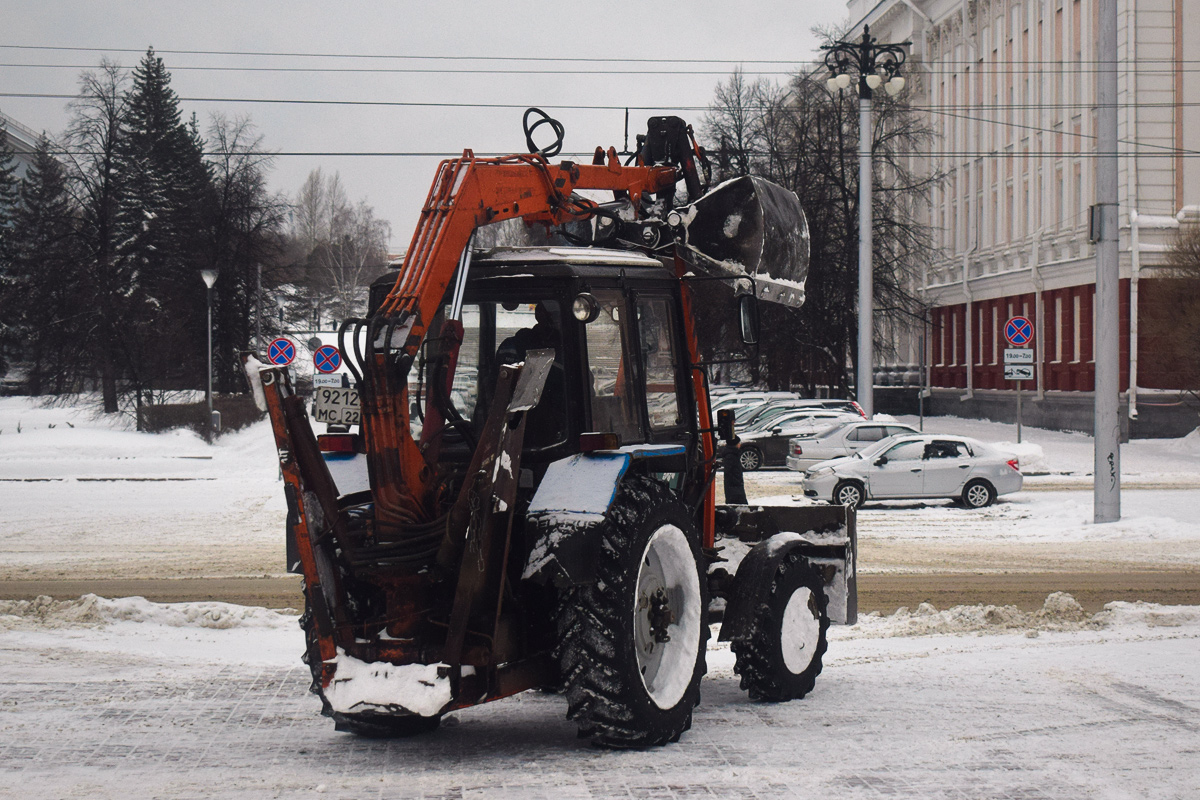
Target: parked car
(737,400)
(925,465)
(844,440)
(748,416)
(766,445)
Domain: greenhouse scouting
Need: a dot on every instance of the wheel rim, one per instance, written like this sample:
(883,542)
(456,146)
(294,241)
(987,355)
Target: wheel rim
(749,459)
(977,495)
(849,496)
(801,630)
(666,616)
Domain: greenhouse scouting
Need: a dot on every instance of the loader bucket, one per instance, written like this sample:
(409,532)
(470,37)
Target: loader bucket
(751,228)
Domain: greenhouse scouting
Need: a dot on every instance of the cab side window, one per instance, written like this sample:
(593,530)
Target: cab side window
(656,335)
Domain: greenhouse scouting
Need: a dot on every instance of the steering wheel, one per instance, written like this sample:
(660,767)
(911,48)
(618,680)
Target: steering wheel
(556,147)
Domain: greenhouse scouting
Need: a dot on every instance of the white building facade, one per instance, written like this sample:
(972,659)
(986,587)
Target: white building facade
(1009,87)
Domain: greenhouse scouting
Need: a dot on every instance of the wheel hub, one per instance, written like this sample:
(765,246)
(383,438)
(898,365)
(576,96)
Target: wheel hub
(661,616)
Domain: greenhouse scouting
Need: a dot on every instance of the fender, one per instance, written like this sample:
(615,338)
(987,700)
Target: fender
(832,554)
(572,500)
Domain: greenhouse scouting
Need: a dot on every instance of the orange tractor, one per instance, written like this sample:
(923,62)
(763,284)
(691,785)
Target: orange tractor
(536,430)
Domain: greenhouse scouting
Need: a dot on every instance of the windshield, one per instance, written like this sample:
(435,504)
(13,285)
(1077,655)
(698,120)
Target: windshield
(874,449)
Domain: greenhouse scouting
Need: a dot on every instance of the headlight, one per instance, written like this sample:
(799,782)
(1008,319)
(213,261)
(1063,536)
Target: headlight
(819,473)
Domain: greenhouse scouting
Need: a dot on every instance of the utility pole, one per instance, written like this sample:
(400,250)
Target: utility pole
(1107,468)
(876,65)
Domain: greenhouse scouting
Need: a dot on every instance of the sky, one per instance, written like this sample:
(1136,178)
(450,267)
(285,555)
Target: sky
(493,48)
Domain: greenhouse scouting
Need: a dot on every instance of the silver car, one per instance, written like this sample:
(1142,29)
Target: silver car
(925,465)
(808,450)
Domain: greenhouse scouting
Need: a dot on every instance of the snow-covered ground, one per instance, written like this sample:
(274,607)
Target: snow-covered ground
(124,698)
(119,698)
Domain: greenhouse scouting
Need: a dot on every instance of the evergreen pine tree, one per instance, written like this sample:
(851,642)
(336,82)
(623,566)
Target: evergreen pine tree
(160,227)
(8,197)
(50,302)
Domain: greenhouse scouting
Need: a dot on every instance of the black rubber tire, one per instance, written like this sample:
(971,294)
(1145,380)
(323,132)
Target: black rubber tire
(751,458)
(844,485)
(369,726)
(761,662)
(597,651)
(973,498)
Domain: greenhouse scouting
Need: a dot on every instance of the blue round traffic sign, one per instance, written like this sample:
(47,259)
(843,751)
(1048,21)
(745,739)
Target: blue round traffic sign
(1018,331)
(327,358)
(281,352)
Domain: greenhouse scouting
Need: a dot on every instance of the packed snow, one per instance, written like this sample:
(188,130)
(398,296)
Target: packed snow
(100,695)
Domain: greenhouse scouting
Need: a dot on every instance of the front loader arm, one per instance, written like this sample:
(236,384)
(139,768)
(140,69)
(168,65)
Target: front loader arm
(467,193)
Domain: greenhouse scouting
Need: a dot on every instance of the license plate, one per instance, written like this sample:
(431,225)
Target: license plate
(337,406)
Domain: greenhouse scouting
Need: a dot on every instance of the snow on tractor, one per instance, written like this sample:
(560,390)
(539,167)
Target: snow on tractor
(536,429)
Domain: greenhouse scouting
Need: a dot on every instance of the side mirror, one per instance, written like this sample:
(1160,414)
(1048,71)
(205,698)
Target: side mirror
(748,318)
(776,431)
(879,462)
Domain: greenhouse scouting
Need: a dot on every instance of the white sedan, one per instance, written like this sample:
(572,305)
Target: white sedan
(811,449)
(925,465)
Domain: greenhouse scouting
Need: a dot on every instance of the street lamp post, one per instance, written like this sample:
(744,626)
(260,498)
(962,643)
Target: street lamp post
(210,277)
(877,65)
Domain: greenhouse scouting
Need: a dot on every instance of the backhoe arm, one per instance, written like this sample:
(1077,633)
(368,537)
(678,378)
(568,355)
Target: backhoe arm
(467,193)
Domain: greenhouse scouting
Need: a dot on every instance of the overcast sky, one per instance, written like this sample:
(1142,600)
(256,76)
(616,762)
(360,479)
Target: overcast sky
(752,32)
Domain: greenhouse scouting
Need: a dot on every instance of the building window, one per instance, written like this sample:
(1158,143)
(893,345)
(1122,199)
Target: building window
(1058,329)
(1076,327)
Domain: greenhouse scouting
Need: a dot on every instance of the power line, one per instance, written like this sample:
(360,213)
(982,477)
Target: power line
(413,57)
(557,59)
(578,107)
(1062,70)
(423,70)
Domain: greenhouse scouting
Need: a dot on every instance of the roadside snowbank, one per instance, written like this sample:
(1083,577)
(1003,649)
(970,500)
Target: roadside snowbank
(1060,612)
(91,610)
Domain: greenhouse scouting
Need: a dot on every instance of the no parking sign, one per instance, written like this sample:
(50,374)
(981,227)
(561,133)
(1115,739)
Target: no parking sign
(281,351)
(327,358)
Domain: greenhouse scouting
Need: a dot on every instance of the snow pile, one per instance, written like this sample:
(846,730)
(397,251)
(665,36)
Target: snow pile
(1152,615)
(91,610)
(1060,612)
(1189,445)
(379,686)
(1030,456)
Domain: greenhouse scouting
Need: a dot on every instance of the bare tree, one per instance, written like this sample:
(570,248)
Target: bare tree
(343,246)
(806,139)
(1171,320)
(93,140)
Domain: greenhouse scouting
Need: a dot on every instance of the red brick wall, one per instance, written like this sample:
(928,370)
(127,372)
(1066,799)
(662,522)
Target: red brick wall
(1066,374)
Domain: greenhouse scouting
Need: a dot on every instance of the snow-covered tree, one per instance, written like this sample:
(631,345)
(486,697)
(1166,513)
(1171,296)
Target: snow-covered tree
(45,293)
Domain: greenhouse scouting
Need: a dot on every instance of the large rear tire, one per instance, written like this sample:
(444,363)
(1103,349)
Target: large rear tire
(780,659)
(631,645)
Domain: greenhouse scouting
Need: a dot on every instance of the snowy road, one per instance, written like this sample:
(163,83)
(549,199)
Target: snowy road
(164,708)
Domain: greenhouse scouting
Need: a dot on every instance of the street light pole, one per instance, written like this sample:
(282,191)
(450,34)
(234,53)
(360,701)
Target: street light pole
(866,276)
(210,277)
(877,65)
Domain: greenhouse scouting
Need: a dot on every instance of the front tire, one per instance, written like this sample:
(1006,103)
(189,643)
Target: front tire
(849,493)
(978,494)
(631,646)
(781,657)
(751,458)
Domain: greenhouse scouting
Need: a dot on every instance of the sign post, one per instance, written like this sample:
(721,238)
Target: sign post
(1018,359)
